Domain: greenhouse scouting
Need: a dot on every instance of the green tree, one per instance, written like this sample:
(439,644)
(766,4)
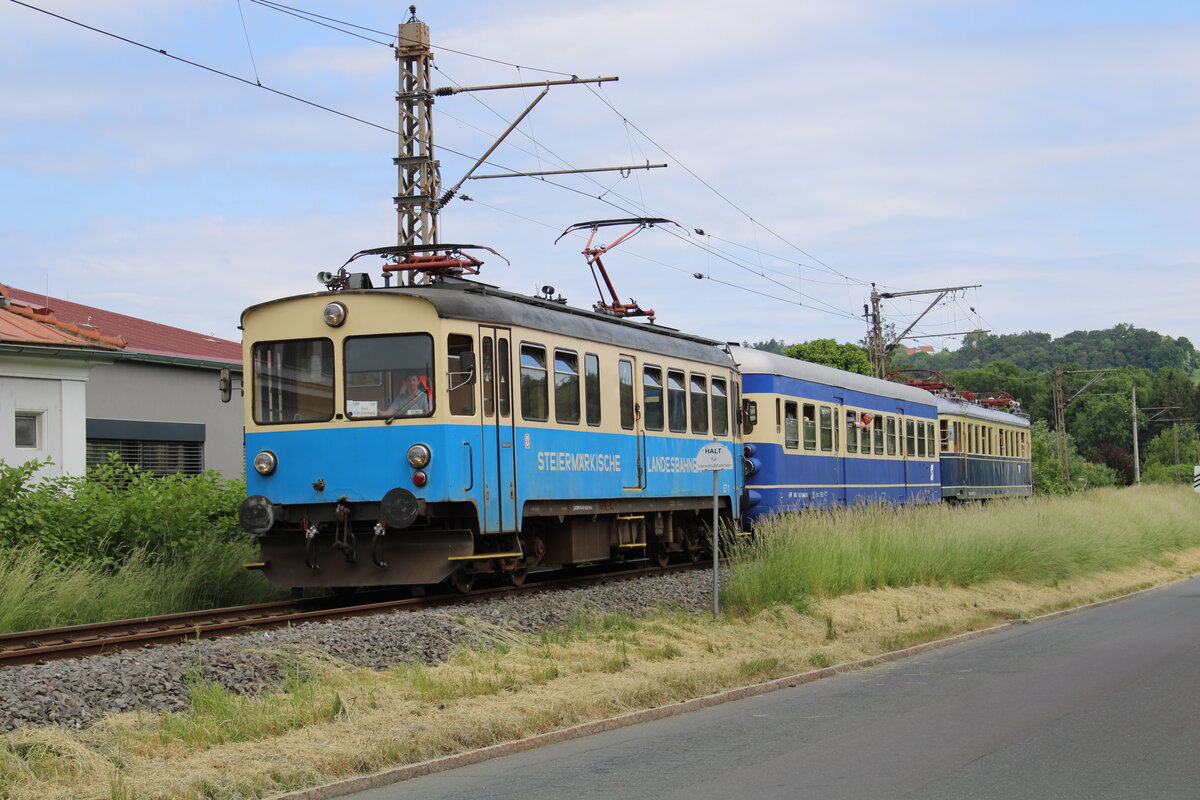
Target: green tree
(1160,453)
(849,357)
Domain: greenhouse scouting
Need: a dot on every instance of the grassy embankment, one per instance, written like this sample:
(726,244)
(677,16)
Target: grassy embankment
(37,591)
(811,592)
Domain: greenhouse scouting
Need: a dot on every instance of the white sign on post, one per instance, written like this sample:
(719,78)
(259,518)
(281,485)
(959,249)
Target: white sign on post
(715,456)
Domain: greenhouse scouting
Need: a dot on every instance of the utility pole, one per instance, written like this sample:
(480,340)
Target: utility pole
(1137,464)
(1060,404)
(880,350)
(419,178)
(1060,427)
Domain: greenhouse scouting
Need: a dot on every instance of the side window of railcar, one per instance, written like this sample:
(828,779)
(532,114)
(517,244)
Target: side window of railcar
(944,430)
(826,428)
(625,384)
(921,451)
(891,436)
(389,376)
(676,401)
(809,423)
(535,401)
(851,431)
(461,389)
(591,385)
(877,423)
(652,398)
(566,386)
(698,395)
(910,439)
(930,439)
(293,381)
(720,408)
(791,426)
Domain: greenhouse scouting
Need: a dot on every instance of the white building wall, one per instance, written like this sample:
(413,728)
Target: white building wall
(55,390)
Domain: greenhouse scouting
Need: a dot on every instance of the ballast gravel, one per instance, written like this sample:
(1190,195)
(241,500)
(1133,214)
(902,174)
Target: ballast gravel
(74,692)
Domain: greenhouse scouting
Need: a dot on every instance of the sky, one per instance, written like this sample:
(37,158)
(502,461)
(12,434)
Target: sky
(1044,150)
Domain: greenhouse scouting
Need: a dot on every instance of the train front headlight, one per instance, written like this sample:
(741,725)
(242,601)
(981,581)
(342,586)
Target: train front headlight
(265,462)
(419,456)
(334,314)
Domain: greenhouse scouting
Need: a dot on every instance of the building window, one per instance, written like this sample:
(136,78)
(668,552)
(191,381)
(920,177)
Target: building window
(27,429)
(159,458)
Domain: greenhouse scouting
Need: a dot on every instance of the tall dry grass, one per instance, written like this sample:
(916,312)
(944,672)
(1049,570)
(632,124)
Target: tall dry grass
(796,558)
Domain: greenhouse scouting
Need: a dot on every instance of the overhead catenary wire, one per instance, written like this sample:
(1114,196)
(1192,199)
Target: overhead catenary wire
(607,193)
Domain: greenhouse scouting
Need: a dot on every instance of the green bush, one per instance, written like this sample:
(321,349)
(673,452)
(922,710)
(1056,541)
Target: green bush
(114,511)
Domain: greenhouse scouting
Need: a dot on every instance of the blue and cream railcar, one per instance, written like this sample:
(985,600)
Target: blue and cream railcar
(985,452)
(822,437)
(546,435)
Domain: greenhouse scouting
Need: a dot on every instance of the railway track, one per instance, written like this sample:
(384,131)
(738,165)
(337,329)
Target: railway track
(29,647)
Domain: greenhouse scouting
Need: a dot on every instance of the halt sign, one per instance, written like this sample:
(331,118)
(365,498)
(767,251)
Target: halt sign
(714,455)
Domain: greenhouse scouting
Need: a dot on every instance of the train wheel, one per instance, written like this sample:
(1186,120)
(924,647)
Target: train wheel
(515,575)
(659,556)
(692,547)
(461,580)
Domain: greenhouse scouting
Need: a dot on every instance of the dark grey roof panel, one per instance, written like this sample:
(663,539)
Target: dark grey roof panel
(962,408)
(478,302)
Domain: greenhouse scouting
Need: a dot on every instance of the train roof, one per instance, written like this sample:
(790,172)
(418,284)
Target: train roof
(752,361)
(455,298)
(964,408)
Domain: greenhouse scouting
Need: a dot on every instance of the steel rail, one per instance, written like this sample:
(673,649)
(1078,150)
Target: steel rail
(75,641)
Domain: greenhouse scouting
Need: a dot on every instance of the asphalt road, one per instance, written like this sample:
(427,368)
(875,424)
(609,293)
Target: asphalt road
(1097,705)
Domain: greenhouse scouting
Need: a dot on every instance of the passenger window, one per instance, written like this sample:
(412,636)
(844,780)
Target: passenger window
(676,401)
(910,439)
(778,416)
(625,386)
(461,387)
(851,431)
(535,397)
(809,424)
(920,440)
(791,426)
(877,423)
(930,439)
(566,387)
(720,408)
(591,385)
(699,404)
(891,436)
(826,429)
(652,398)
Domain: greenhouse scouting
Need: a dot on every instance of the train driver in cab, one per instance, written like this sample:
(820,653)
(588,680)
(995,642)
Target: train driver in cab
(413,398)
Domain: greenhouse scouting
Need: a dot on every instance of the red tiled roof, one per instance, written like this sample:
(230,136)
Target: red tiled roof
(96,325)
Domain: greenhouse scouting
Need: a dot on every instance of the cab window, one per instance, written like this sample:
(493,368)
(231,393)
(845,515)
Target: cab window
(293,381)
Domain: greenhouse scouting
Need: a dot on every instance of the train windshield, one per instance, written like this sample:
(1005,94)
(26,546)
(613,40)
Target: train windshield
(293,381)
(389,376)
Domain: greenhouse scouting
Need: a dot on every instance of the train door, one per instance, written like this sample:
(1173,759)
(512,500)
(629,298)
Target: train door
(632,447)
(499,453)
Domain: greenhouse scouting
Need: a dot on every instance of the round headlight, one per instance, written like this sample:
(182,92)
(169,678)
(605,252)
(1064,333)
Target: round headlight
(418,456)
(335,314)
(265,462)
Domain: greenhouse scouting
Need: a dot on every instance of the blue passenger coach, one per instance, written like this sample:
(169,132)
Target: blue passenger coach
(411,434)
(816,436)
(985,452)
